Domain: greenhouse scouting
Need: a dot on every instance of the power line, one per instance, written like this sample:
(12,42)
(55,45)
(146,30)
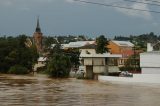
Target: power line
(110,5)
(143,2)
(153,1)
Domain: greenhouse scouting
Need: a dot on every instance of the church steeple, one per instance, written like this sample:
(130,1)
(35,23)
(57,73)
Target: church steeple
(38,29)
(38,37)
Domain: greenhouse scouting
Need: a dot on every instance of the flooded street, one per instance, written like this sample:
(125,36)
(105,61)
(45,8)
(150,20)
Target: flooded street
(42,91)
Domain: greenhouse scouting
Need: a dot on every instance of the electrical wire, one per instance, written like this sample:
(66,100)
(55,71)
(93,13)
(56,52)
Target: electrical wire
(116,6)
(153,1)
(143,2)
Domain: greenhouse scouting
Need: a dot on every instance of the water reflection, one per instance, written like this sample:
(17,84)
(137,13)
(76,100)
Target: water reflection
(42,91)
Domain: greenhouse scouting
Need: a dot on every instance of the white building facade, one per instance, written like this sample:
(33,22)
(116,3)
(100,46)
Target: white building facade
(150,60)
(94,64)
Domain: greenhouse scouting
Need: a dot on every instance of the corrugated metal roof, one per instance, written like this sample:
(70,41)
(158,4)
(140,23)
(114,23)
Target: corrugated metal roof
(77,44)
(80,44)
(123,43)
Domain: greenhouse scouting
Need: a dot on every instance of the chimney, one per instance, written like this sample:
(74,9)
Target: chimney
(149,47)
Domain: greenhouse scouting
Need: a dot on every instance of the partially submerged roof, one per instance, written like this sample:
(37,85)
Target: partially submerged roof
(123,43)
(42,59)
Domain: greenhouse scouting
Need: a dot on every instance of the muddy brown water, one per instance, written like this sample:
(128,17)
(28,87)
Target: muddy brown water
(43,91)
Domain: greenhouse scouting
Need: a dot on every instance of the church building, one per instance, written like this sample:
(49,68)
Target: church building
(38,37)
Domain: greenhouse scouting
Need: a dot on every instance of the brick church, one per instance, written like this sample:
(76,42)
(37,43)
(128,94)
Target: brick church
(38,37)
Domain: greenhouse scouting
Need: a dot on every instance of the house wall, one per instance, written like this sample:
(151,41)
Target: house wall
(94,66)
(88,61)
(150,63)
(150,60)
(114,49)
(99,61)
(94,61)
(99,69)
(124,50)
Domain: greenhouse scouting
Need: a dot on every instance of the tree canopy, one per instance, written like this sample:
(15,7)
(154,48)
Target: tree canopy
(102,43)
(59,64)
(140,41)
(14,52)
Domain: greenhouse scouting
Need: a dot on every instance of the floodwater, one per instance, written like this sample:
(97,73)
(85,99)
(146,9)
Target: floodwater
(43,91)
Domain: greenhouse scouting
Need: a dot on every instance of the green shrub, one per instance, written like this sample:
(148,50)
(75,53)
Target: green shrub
(17,69)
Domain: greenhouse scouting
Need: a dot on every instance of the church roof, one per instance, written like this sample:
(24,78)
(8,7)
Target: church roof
(38,29)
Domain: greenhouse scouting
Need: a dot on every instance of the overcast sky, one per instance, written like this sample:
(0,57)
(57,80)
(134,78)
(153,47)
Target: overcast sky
(64,17)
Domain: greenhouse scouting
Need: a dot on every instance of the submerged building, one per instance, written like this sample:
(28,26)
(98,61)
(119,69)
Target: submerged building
(94,64)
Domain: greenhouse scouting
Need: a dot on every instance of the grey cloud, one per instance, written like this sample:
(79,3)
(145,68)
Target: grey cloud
(133,13)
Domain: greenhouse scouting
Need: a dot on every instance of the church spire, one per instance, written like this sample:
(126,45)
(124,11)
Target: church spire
(38,29)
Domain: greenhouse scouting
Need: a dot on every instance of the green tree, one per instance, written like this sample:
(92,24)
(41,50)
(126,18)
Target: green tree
(59,66)
(17,69)
(49,40)
(73,54)
(102,43)
(132,64)
(13,51)
(56,49)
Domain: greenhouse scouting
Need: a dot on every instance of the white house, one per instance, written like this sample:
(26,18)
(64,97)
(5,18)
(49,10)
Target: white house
(94,64)
(150,60)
